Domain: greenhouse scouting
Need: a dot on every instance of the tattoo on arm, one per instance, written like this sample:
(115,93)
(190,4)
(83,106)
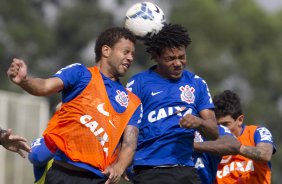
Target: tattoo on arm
(251,152)
(130,137)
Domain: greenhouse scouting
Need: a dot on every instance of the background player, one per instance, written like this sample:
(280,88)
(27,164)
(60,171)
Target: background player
(253,163)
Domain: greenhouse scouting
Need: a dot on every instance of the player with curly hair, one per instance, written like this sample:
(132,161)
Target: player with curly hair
(172,98)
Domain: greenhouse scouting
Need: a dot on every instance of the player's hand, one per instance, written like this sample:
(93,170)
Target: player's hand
(190,121)
(114,174)
(14,143)
(17,71)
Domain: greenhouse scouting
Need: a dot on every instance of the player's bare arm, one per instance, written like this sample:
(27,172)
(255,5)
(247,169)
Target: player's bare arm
(206,125)
(125,156)
(261,152)
(17,73)
(224,145)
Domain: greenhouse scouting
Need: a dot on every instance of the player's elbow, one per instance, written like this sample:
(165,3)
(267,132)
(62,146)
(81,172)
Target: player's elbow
(36,159)
(266,157)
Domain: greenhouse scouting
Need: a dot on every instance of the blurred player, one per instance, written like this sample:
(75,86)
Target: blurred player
(253,163)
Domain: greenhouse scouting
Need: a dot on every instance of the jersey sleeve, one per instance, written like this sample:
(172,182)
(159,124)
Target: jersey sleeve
(136,117)
(75,78)
(222,130)
(71,74)
(205,99)
(40,154)
(262,134)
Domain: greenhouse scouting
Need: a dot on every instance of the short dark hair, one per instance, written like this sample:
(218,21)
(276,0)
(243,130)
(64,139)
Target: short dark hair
(170,36)
(227,103)
(110,37)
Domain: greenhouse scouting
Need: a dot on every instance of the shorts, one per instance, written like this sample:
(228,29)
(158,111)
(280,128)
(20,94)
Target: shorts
(166,175)
(58,175)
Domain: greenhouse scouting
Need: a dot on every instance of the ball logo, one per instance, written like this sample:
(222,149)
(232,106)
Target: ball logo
(187,94)
(122,98)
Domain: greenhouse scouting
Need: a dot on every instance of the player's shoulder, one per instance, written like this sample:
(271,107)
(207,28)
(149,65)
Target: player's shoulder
(263,131)
(223,130)
(72,68)
(141,75)
(192,76)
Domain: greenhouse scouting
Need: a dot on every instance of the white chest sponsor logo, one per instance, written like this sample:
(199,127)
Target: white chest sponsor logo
(97,130)
(122,98)
(244,166)
(187,94)
(199,163)
(159,114)
(198,137)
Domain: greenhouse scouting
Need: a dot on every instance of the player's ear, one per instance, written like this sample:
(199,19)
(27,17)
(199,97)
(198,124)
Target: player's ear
(106,50)
(155,57)
(240,120)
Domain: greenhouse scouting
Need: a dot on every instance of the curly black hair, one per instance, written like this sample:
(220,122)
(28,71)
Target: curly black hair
(170,36)
(110,37)
(227,103)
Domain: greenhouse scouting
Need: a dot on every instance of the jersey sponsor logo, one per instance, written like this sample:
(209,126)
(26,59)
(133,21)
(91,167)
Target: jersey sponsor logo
(198,137)
(245,166)
(155,93)
(122,98)
(101,109)
(162,113)
(37,142)
(199,163)
(97,130)
(265,134)
(187,94)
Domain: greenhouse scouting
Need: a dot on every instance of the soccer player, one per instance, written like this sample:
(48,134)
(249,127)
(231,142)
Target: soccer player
(13,142)
(94,133)
(208,154)
(170,95)
(253,163)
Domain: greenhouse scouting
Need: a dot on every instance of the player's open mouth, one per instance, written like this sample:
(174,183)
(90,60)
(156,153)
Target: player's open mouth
(126,65)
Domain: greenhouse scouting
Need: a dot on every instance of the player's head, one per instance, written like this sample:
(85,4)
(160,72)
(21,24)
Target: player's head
(115,49)
(228,111)
(168,49)
(110,37)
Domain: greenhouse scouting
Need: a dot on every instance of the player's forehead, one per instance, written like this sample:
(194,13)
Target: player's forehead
(225,119)
(174,51)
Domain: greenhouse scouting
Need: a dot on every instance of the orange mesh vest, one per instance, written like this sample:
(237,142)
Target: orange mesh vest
(238,169)
(88,129)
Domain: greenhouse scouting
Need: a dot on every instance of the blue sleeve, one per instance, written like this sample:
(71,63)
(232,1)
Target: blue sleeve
(40,154)
(205,99)
(262,134)
(75,78)
(137,116)
(222,130)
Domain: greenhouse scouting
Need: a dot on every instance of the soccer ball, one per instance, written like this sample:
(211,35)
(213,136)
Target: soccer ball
(144,19)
